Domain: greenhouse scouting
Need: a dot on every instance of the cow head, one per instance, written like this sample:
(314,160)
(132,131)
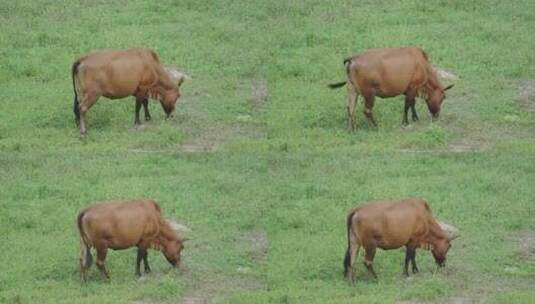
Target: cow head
(443,243)
(434,99)
(171,95)
(174,242)
(440,250)
(168,101)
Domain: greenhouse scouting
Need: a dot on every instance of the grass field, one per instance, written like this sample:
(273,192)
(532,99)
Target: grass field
(257,161)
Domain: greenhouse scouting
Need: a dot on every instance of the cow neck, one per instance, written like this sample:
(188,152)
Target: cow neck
(435,233)
(155,93)
(432,81)
(161,237)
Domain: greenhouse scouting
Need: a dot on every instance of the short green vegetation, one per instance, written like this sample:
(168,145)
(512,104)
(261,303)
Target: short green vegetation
(257,161)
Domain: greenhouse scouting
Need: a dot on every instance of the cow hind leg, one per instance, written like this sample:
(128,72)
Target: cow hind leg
(352,97)
(101,258)
(85,260)
(368,260)
(88,100)
(354,252)
(369,100)
(76,110)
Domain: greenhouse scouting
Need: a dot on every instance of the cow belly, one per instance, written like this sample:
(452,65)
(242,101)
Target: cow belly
(117,90)
(122,243)
(387,244)
(118,95)
(392,240)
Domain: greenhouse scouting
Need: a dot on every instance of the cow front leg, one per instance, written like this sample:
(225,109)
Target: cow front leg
(406,110)
(407,260)
(146,108)
(139,258)
(413,260)
(101,258)
(146,261)
(413,111)
(139,102)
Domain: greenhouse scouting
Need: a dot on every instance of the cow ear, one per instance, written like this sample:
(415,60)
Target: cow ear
(449,87)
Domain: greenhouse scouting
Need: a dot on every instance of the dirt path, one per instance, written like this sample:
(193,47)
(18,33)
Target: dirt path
(216,288)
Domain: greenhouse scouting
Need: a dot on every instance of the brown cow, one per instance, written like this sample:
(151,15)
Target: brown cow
(123,224)
(391,72)
(392,224)
(120,73)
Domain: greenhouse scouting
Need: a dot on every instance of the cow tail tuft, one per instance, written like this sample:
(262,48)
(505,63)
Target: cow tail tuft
(85,252)
(76,107)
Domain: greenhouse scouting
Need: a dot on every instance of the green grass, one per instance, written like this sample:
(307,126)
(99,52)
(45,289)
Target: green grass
(267,204)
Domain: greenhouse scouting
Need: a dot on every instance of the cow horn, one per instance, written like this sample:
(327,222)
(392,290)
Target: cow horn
(451,232)
(178,77)
(179,229)
(449,87)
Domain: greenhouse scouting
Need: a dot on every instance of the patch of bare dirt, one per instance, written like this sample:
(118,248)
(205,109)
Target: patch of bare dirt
(203,133)
(464,146)
(257,243)
(259,92)
(216,288)
(213,138)
(219,289)
(452,300)
(527,94)
(526,243)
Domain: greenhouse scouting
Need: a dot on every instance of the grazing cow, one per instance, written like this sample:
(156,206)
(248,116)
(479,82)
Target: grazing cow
(123,224)
(120,73)
(393,224)
(391,72)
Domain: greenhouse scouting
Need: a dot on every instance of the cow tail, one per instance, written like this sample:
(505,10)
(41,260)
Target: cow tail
(76,107)
(342,83)
(347,259)
(85,251)
(337,85)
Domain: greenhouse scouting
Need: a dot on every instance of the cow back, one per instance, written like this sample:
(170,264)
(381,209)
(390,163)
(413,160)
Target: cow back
(119,73)
(390,71)
(392,224)
(122,224)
